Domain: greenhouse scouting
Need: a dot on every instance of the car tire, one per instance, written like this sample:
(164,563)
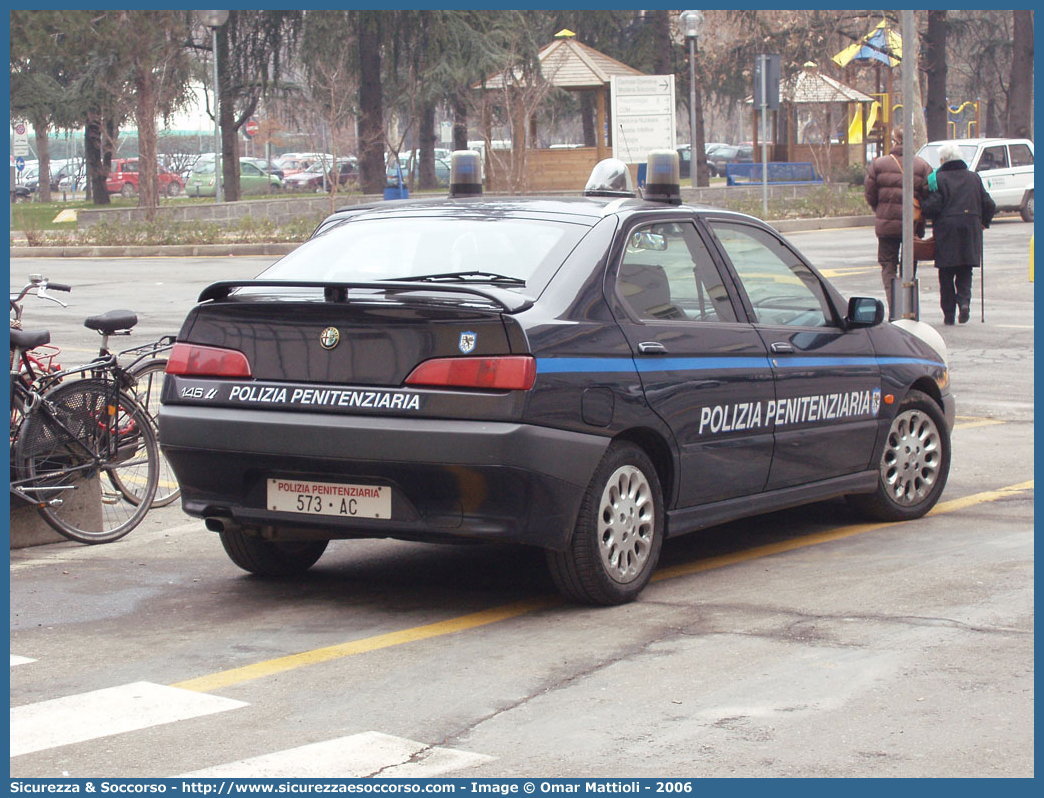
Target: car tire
(269,557)
(618,534)
(173,188)
(127,190)
(914,464)
(1026,211)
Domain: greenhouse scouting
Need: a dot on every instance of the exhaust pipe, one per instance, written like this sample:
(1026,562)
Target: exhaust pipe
(218,524)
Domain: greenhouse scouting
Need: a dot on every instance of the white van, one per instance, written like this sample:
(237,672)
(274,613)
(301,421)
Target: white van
(1005,166)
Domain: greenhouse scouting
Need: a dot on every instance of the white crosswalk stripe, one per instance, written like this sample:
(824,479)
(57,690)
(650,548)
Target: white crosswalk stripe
(88,716)
(143,705)
(357,756)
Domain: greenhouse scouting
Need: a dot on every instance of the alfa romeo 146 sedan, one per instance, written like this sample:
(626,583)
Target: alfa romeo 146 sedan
(589,375)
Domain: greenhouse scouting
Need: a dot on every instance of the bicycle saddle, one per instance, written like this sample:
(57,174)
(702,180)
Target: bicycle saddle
(29,339)
(112,321)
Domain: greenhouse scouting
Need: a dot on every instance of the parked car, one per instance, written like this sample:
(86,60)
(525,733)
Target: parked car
(252,180)
(265,166)
(442,172)
(1005,166)
(22,191)
(29,183)
(728,153)
(312,178)
(293,162)
(123,179)
(684,158)
(587,375)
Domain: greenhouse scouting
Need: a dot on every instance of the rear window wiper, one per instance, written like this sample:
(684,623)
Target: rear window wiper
(463,277)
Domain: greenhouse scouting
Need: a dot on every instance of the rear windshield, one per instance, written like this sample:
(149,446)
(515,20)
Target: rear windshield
(410,247)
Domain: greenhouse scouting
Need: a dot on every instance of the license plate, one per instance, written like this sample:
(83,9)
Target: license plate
(329,498)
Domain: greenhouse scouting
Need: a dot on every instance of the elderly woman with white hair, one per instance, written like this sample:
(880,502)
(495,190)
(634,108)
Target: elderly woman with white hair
(960,208)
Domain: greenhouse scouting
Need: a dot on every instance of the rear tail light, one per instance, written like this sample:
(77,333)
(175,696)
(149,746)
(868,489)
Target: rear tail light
(193,360)
(508,373)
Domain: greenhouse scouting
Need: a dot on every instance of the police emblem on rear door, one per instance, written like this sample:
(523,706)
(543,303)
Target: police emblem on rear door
(467,342)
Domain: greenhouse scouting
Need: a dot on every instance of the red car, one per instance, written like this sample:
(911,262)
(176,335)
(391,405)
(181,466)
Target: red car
(123,178)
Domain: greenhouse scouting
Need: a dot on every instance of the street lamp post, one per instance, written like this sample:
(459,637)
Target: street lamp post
(214,20)
(692,22)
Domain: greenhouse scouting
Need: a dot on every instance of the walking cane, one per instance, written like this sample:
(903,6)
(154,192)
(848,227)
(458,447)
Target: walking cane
(982,285)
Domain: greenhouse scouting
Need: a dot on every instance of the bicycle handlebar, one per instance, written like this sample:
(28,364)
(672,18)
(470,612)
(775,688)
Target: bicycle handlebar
(41,284)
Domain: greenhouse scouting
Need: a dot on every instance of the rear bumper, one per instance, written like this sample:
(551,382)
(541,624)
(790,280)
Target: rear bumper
(483,480)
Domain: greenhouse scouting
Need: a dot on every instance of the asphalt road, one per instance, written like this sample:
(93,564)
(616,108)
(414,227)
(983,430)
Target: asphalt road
(803,643)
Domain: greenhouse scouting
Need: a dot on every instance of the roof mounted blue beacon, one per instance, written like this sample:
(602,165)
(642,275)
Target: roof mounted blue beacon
(610,178)
(663,177)
(465,173)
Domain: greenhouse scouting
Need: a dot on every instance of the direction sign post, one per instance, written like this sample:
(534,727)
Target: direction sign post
(642,108)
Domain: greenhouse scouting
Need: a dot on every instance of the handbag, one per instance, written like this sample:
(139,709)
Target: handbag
(918,216)
(924,248)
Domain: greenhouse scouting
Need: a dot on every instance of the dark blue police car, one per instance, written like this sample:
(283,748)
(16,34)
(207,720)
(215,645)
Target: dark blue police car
(588,375)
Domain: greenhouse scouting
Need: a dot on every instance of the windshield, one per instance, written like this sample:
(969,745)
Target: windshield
(204,168)
(930,153)
(405,248)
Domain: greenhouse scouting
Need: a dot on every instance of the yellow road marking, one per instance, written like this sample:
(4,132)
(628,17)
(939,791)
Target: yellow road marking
(474,620)
(831,273)
(966,422)
(260,669)
(831,535)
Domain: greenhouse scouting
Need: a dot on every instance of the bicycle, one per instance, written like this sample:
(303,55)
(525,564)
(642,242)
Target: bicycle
(83,451)
(146,371)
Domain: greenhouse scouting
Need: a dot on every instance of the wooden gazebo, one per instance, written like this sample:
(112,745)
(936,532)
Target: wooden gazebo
(800,96)
(566,64)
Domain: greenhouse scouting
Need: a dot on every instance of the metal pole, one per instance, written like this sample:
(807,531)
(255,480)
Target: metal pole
(906,263)
(219,195)
(692,110)
(764,133)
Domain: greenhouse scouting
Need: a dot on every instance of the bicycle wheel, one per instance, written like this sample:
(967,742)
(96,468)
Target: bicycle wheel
(69,448)
(148,387)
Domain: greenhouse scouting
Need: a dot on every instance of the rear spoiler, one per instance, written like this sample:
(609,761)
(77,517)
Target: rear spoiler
(338,292)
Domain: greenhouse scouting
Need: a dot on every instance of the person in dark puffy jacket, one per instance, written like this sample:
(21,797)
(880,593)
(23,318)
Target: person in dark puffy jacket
(883,189)
(961,209)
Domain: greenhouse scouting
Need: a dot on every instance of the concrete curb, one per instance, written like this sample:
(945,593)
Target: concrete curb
(277,250)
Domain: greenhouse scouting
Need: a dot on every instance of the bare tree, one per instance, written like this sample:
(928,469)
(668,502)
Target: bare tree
(516,93)
(934,64)
(158,72)
(331,77)
(1020,96)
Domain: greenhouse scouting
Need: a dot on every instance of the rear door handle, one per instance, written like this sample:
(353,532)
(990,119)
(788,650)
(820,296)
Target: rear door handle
(781,347)
(652,348)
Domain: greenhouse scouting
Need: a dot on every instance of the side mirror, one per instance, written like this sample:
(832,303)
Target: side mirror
(864,311)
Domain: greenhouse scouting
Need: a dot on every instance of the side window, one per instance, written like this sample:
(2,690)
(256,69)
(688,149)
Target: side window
(993,158)
(1021,155)
(667,273)
(781,289)
(249,169)
(130,166)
